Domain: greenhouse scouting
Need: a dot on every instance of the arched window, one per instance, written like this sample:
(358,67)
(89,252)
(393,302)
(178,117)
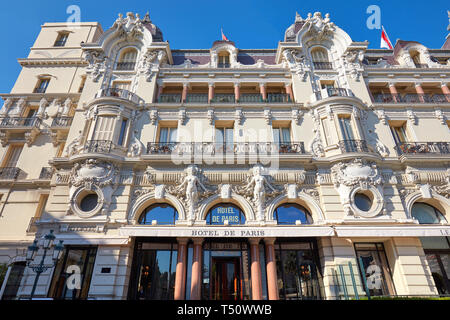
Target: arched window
(289,214)
(427,214)
(225,212)
(224,59)
(127,60)
(320,59)
(161,212)
(13,281)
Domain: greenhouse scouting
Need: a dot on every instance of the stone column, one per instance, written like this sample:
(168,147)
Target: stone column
(185,92)
(420,92)
(262,89)
(271,266)
(289,92)
(180,277)
(255,269)
(393,91)
(237,91)
(196,278)
(446,91)
(210,92)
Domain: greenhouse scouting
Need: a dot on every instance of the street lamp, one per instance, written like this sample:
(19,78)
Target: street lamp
(46,244)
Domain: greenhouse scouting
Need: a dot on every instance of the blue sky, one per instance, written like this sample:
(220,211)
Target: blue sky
(196,23)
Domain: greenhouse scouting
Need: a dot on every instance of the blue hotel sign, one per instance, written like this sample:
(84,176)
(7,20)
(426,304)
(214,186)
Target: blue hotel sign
(221,214)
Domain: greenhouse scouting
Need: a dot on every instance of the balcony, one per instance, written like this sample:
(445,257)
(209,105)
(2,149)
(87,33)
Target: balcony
(197,98)
(423,148)
(62,122)
(226,98)
(19,122)
(349,146)
(250,98)
(46,173)
(98,146)
(9,173)
(323,65)
(125,66)
(214,149)
(331,92)
(278,98)
(411,98)
(120,93)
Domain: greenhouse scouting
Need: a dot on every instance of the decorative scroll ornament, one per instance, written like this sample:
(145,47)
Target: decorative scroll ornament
(359,176)
(136,147)
(97,64)
(297,62)
(191,189)
(150,63)
(444,188)
(75,146)
(92,176)
(256,190)
(353,63)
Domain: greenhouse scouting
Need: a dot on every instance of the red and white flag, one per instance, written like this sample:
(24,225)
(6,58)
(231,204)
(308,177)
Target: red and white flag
(224,38)
(385,42)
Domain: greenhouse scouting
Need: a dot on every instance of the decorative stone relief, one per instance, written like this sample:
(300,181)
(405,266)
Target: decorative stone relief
(182,117)
(358,176)
(8,103)
(151,62)
(210,116)
(92,176)
(268,116)
(191,190)
(136,147)
(353,63)
(75,146)
(412,116)
(297,116)
(256,191)
(440,116)
(239,116)
(154,116)
(296,62)
(97,64)
(382,116)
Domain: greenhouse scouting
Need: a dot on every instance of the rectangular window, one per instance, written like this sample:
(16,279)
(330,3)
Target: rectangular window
(42,85)
(74,259)
(104,128)
(12,156)
(61,40)
(122,85)
(41,206)
(376,268)
(83,82)
(168,135)
(123,128)
(60,150)
(346,128)
(224,139)
(399,134)
(281,135)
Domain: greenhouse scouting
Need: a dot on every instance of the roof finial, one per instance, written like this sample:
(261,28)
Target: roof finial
(147,18)
(298,17)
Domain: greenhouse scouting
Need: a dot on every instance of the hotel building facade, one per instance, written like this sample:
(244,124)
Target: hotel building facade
(315,170)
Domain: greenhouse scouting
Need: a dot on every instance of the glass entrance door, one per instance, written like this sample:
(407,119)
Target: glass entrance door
(225,279)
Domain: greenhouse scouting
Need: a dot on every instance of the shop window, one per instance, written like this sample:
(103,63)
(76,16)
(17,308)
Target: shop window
(74,260)
(163,214)
(292,214)
(376,268)
(298,271)
(13,281)
(154,278)
(223,213)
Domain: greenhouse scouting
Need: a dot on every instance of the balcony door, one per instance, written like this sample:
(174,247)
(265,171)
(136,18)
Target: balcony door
(224,140)
(104,128)
(12,156)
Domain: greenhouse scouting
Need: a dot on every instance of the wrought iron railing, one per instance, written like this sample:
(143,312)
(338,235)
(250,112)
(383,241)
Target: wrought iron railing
(223,65)
(98,146)
(120,93)
(122,66)
(411,98)
(15,122)
(224,98)
(423,148)
(250,98)
(338,92)
(278,98)
(169,98)
(9,173)
(62,122)
(197,98)
(212,148)
(323,65)
(348,146)
(46,173)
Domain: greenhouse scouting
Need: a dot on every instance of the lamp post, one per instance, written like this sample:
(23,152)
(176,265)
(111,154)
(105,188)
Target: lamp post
(47,243)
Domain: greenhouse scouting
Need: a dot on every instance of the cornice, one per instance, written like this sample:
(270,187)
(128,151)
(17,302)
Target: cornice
(52,61)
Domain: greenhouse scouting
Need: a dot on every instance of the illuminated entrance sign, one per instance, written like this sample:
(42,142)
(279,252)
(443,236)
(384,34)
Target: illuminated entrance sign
(225,212)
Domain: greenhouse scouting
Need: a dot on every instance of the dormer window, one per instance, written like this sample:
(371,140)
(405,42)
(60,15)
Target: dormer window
(61,40)
(127,60)
(320,59)
(224,59)
(415,56)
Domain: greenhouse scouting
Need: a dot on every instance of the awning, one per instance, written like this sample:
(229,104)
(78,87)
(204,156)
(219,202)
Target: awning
(92,240)
(227,232)
(392,231)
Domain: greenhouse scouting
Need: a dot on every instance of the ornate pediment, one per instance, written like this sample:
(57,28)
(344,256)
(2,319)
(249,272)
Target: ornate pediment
(356,173)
